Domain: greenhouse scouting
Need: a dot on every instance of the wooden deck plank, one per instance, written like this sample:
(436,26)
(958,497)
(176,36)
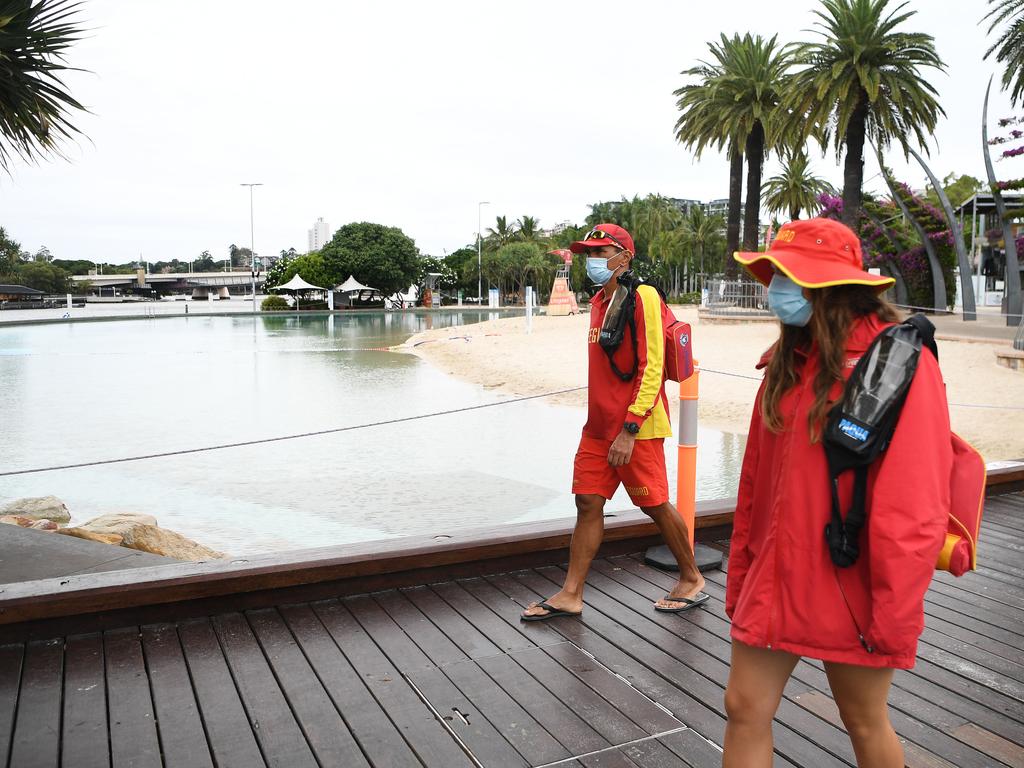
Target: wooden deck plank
(229,732)
(576,694)
(693,749)
(279,735)
(436,647)
(421,730)
(404,651)
(468,638)
(483,616)
(688,696)
(571,730)
(84,728)
(10,682)
(182,736)
(653,754)
(36,739)
(528,737)
(325,730)
(382,743)
(133,737)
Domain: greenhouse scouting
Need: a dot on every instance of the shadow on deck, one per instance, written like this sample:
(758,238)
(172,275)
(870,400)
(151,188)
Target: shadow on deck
(442,673)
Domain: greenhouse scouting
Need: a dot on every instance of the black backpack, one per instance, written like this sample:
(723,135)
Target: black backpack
(859,427)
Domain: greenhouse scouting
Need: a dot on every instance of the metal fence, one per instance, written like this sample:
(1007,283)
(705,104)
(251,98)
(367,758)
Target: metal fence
(736,297)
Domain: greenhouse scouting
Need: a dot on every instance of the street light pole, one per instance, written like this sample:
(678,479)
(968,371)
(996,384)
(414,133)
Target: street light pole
(479,262)
(252,244)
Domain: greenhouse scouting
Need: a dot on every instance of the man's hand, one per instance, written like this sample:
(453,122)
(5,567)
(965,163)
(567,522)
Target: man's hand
(622,449)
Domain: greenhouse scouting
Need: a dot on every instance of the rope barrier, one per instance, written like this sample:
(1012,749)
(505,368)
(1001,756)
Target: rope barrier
(934,311)
(402,420)
(281,438)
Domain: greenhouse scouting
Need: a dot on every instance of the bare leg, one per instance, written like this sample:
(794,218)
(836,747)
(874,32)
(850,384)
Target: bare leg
(862,696)
(586,540)
(757,678)
(673,530)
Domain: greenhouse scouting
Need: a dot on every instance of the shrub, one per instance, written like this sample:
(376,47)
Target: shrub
(274,304)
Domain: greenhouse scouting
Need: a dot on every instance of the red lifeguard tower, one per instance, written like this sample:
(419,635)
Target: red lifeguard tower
(563,300)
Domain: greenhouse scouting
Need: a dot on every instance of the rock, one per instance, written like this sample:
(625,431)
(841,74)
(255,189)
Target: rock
(121,523)
(39,508)
(21,522)
(138,531)
(45,525)
(82,533)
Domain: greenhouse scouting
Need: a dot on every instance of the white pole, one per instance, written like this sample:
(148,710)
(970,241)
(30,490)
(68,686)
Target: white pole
(252,243)
(529,309)
(479,261)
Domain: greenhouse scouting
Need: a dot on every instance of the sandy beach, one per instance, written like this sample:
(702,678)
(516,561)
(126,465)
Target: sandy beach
(500,355)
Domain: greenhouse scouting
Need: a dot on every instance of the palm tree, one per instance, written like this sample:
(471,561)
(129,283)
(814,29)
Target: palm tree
(796,189)
(35,105)
(750,91)
(528,229)
(502,234)
(1009,47)
(700,232)
(699,126)
(863,81)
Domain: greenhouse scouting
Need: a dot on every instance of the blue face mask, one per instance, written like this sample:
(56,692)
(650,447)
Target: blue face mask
(597,270)
(786,299)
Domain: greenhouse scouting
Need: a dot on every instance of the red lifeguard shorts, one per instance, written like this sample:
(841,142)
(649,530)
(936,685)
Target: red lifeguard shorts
(644,477)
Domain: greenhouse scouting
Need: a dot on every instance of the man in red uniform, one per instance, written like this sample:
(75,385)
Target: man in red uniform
(623,439)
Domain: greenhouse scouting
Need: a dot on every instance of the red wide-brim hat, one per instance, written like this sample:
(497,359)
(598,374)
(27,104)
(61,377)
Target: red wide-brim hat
(813,253)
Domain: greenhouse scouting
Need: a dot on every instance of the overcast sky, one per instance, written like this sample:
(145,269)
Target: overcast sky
(406,114)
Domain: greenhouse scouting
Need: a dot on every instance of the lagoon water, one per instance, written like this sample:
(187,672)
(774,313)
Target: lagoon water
(81,392)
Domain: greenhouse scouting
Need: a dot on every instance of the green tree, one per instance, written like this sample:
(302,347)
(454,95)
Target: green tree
(863,81)
(796,188)
(311,267)
(43,276)
(35,105)
(501,235)
(1009,46)
(702,233)
(205,263)
(375,255)
(10,256)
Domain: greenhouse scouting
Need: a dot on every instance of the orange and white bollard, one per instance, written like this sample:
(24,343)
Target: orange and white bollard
(686,472)
(686,481)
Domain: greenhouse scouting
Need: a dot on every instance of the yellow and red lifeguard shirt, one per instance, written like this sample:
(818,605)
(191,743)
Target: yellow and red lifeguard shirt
(641,400)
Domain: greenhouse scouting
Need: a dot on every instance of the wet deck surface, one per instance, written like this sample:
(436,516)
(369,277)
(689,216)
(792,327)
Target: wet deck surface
(445,675)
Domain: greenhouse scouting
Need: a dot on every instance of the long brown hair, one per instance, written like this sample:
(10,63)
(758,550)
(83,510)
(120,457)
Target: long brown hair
(833,311)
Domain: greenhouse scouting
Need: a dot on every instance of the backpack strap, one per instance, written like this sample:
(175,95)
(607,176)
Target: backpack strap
(926,330)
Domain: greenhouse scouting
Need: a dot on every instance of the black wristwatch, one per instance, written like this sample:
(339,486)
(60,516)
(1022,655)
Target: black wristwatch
(632,427)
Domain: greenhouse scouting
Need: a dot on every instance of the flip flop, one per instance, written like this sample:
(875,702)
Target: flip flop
(552,613)
(687,603)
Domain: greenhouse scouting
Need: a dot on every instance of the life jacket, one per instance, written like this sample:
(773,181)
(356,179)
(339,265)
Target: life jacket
(620,316)
(858,430)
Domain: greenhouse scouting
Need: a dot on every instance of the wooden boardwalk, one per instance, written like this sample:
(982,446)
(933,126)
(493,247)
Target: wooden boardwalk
(445,675)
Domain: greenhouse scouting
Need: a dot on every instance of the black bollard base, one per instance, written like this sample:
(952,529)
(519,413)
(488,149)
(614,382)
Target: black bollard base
(661,556)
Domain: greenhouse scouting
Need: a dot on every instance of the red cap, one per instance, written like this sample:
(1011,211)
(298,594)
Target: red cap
(605,234)
(813,253)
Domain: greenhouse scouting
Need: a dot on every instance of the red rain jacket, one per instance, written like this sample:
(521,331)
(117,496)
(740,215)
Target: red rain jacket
(783,591)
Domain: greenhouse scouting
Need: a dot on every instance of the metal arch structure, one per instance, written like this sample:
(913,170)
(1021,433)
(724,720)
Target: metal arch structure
(966,289)
(1013,297)
(938,279)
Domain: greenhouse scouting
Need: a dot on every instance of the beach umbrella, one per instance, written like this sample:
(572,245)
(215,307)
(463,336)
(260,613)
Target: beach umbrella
(296,285)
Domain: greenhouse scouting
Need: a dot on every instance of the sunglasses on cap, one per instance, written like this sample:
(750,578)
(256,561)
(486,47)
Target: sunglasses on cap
(600,234)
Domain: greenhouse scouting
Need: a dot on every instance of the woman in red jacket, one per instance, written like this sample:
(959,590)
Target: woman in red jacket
(785,597)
